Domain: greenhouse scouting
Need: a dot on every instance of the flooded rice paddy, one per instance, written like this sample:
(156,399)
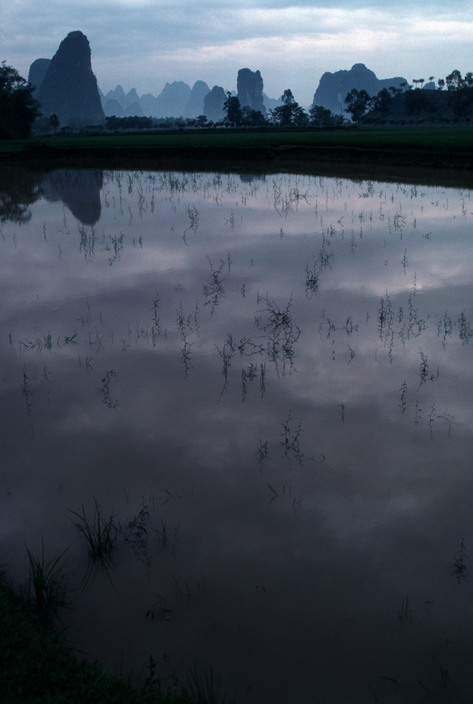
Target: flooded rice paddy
(267,384)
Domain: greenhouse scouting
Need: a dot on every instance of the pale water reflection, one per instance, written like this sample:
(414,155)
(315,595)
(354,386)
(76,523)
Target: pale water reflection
(269,381)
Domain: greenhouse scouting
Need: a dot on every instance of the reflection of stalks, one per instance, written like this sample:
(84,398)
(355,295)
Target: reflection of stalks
(282,332)
(214,290)
(226,353)
(27,388)
(107,399)
(290,441)
(262,453)
(459,567)
(405,611)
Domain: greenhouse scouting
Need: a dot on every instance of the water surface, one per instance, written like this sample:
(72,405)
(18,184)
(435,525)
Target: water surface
(268,381)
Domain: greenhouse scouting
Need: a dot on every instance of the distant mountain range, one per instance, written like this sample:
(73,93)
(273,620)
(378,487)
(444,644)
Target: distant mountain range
(177,99)
(66,87)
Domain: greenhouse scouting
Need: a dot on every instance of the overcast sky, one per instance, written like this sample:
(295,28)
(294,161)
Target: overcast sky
(144,43)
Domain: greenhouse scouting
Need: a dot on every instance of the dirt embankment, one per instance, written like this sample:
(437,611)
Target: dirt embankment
(433,167)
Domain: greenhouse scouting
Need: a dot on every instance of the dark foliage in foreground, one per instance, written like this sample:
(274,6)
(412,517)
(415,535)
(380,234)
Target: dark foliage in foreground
(18,108)
(37,667)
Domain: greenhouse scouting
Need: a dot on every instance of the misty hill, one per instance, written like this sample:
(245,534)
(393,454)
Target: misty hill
(178,99)
(37,72)
(213,104)
(250,89)
(69,88)
(333,87)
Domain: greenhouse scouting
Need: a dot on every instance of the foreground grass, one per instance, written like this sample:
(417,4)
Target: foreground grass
(427,155)
(431,139)
(37,667)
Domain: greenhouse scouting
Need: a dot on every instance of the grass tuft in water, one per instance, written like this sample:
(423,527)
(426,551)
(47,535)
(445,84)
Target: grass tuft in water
(46,587)
(99,533)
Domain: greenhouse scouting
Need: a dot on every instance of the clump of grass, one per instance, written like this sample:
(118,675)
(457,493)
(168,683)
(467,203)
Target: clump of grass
(203,687)
(99,533)
(46,587)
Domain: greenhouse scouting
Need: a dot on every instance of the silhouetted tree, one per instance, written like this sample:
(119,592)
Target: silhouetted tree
(322,117)
(253,118)
(54,121)
(18,108)
(289,113)
(357,103)
(232,110)
(455,81)
(381,105)
(460,94)
(202,121)
(417,102)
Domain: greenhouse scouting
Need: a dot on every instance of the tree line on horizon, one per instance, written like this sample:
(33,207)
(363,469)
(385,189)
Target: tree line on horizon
(451,101)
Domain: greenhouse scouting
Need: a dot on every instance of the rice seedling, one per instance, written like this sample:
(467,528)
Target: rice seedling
(107,399)
(459,566)
(46,587)
(385,316)
(404,613)
(87,243)
(415,325)
(432,416)
(350,326)
(403,390)
(99,533)
(418,414)
(27,388)
(135,530)
(155,309)
(465,331)
(423,368)
(290,441)
(405,261)
(114,246)
(247,347)
(325,257)
(262,454)
(311,280)
(283,334)
(97,343)
(70,339)
(273,492)
(445,328)
(214,290)
(182,590)
(444,677)
(226,353)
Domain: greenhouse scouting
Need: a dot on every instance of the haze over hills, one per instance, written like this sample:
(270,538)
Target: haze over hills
(177,99)
(66,87)
(333,87)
